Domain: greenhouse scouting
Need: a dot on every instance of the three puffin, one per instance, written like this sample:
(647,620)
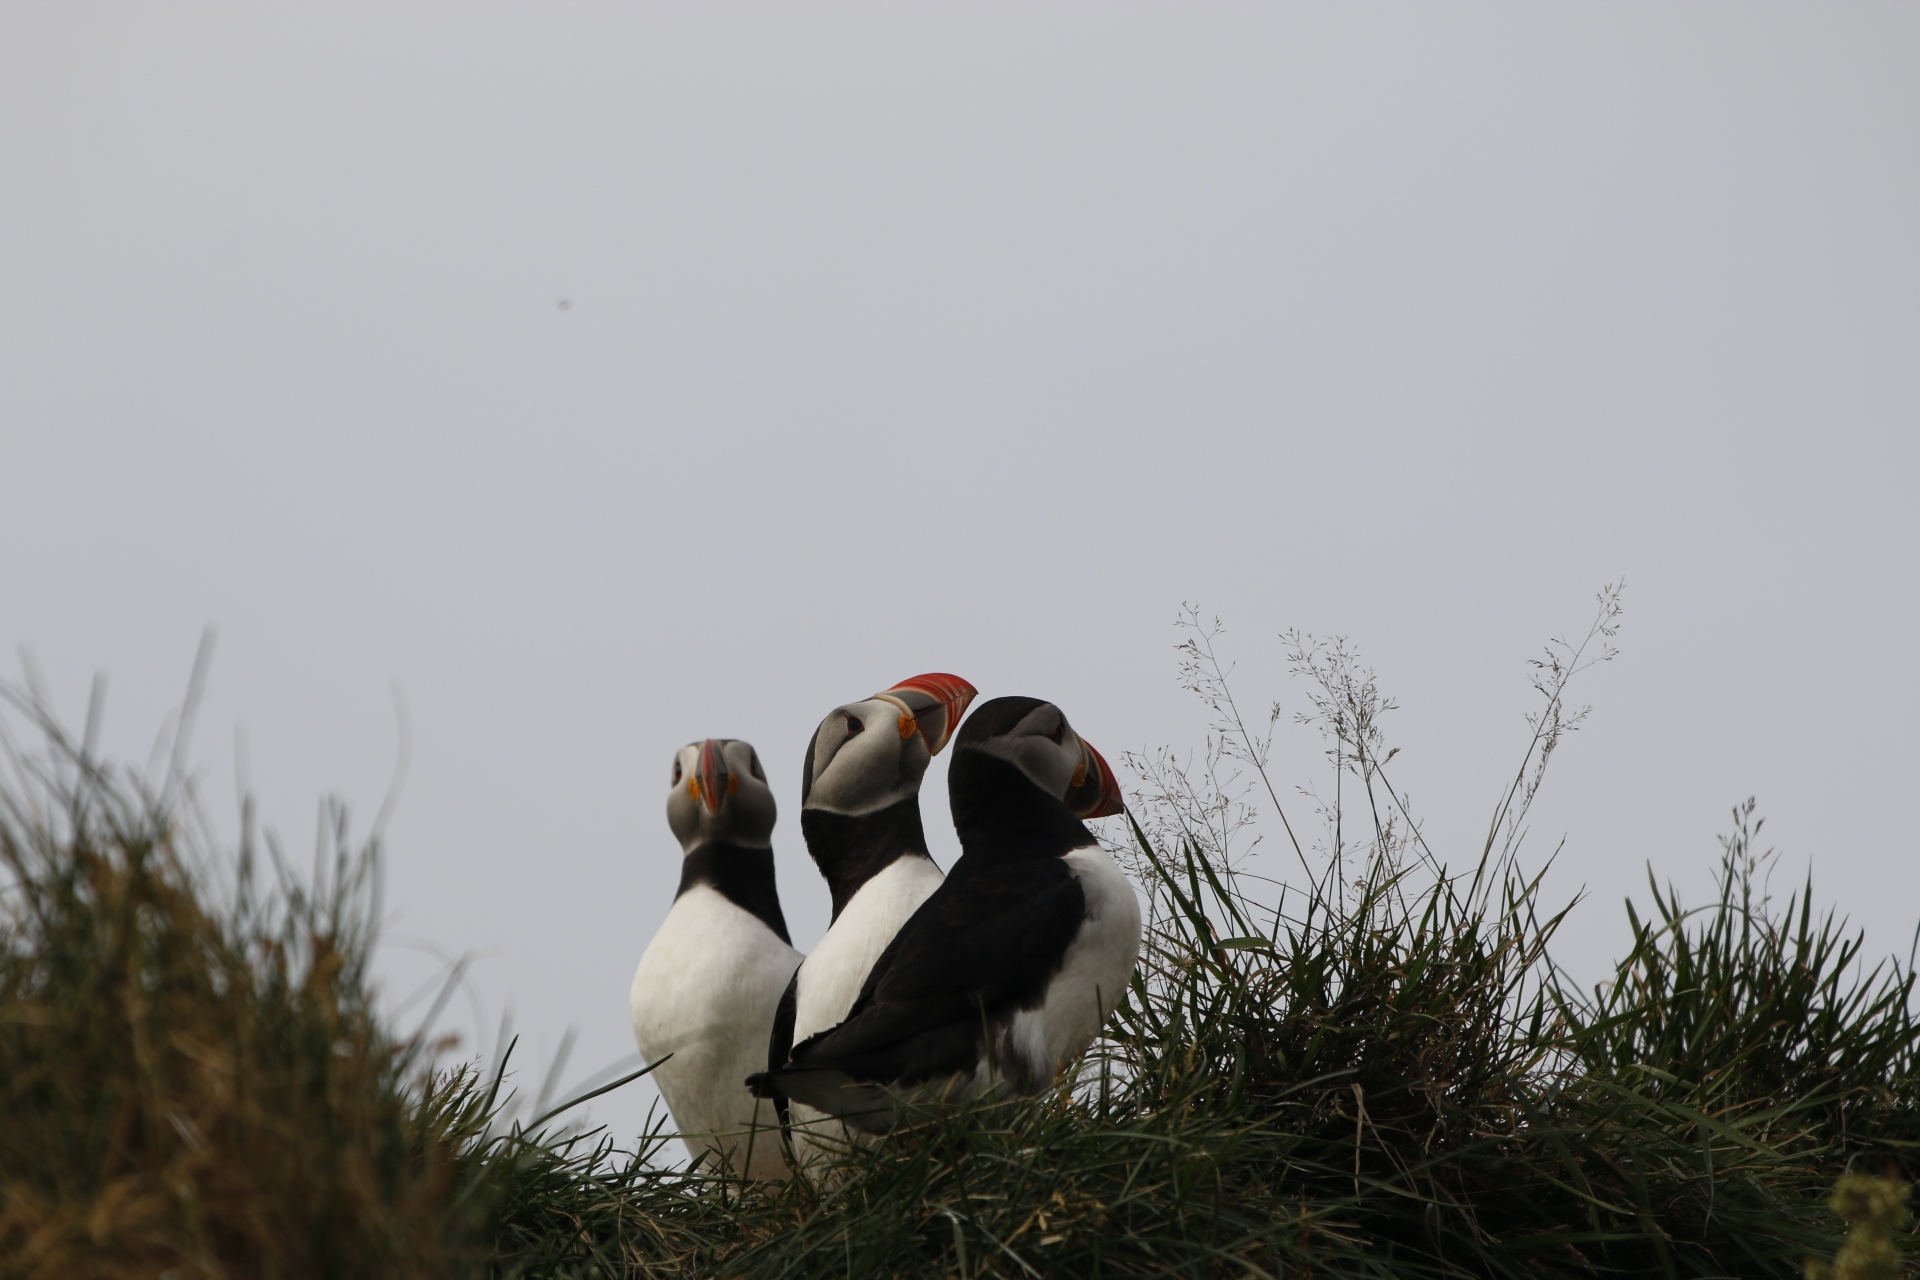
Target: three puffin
(860,813)
(707,987)
(1011,966)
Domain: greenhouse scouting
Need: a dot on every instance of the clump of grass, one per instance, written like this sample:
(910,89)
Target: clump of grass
(1746,1001)
(192,1088)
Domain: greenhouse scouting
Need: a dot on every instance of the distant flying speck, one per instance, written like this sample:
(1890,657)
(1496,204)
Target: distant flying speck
(566,304)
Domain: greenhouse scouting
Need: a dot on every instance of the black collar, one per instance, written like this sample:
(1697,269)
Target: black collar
(852,850)
(742,876)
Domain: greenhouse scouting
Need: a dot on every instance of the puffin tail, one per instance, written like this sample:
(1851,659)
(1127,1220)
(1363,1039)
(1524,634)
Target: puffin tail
(870,1108)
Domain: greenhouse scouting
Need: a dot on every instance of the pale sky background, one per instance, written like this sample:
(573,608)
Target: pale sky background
(968,338)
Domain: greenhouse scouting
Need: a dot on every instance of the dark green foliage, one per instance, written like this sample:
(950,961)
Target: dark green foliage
(1747,1004)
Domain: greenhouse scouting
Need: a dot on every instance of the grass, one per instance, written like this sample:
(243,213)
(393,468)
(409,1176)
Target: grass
(1377,1071)
(194,1088)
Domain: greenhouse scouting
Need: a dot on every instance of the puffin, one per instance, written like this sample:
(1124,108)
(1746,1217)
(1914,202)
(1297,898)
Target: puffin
(1009,969)
(860,814)
(708,984)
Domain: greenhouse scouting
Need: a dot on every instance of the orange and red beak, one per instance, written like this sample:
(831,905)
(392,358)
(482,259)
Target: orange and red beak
(711,783)
(1095,792)
(931,705)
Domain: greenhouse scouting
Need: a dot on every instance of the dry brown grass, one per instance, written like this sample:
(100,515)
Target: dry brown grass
(192,1090)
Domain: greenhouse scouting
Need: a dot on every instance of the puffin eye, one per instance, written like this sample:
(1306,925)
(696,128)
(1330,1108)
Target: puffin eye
(676,771)
(753,766)
(1059,733)
(854,726)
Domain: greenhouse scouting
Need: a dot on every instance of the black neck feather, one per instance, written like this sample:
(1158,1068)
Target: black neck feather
(852,850)
(998,813)
(742,876)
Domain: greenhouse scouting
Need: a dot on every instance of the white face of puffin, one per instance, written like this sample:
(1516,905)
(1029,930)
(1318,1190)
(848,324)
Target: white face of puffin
(1044,746)
(868,755)
(720,793)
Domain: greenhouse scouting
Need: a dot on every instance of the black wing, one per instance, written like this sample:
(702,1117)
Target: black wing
(984,944)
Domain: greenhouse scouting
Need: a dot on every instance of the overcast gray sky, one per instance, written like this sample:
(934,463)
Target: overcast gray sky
(605,377)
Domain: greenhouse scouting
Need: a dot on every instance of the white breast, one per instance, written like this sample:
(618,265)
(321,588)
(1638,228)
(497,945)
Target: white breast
(705,992)
(832,976)
(1093,975)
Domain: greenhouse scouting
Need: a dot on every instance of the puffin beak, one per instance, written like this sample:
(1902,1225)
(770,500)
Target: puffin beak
(1095,792)
(711,782)
(932,704)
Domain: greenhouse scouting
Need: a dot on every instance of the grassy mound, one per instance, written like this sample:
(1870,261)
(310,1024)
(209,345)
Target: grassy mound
(1391,1090)
(1381,1073)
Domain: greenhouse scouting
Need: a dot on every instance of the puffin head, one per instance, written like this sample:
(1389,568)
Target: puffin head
(871,754)
(720,795)
(1036,739)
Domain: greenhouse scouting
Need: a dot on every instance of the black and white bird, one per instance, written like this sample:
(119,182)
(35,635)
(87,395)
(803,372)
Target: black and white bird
(860,813)
(711,978)
(1011,966)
